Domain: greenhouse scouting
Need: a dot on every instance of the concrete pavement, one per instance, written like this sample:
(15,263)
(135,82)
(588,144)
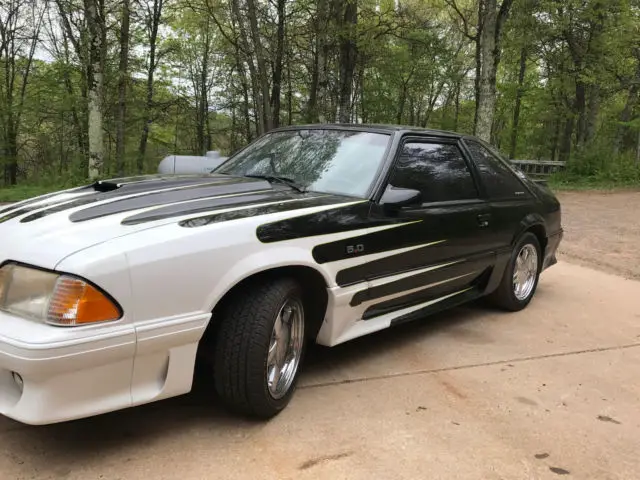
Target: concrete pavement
(550,392)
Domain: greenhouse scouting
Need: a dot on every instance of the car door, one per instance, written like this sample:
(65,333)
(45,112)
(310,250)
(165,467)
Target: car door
(509,199)
(441,247)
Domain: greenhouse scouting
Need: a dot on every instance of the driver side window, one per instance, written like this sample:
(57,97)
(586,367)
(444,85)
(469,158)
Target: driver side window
(437,170)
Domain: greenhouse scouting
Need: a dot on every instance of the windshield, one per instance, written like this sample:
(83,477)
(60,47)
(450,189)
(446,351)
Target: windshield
(329,161)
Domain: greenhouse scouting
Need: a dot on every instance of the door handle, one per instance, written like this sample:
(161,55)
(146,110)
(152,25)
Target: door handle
(483,219)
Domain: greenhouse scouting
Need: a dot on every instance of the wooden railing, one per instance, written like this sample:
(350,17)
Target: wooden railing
(539,168)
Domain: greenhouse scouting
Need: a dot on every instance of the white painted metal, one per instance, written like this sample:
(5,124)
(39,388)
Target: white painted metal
(167,279)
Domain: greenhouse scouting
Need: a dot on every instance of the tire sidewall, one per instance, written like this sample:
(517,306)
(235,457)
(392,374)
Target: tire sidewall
(293,291)
(527,238)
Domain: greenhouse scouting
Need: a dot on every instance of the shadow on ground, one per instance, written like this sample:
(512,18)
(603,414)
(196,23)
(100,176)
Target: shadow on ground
(73,443)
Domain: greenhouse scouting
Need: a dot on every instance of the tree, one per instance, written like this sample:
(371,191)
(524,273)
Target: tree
(97,32)
(93,87)
(123,74)
(152,22)
(20,23)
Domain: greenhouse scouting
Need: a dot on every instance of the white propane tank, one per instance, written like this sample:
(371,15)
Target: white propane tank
(190,164)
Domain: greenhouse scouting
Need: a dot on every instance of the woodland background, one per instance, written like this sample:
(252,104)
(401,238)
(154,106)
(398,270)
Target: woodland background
(98,88)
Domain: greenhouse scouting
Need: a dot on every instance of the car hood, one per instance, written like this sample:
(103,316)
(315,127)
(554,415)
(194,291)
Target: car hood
(45,230)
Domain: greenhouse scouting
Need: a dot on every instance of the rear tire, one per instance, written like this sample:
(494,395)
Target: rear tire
(257,330)
(520,279)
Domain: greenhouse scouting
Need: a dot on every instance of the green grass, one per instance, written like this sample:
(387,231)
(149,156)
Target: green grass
(23,192)
(564,182)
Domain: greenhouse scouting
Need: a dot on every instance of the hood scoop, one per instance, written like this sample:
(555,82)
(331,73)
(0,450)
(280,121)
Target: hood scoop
(105,186)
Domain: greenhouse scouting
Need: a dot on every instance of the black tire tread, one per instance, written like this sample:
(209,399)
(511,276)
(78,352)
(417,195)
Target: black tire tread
(245,328)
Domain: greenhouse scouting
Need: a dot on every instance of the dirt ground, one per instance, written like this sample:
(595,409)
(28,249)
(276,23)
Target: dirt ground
(550,392)
(602,230)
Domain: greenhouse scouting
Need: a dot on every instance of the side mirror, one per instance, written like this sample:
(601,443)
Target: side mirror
(395,198)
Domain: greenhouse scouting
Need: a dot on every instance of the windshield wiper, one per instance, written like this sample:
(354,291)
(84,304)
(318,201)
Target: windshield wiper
(279,179)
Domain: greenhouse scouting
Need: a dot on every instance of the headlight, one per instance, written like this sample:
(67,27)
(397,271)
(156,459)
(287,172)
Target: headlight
(57,299)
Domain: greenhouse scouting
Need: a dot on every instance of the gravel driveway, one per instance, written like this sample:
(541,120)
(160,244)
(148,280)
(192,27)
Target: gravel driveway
(602,230)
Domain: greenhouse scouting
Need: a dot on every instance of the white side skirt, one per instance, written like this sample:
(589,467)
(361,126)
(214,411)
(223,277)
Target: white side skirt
(359,328)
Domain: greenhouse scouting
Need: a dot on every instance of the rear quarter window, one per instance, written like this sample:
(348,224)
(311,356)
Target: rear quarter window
(498,179)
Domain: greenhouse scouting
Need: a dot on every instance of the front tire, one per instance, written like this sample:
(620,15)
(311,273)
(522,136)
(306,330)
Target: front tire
(259,346)
(521,275)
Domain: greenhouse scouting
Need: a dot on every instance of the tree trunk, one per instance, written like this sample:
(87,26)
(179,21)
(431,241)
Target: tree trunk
(11,153)
(253,73)
(627,111)
(487,86)
(154,22)
(432,103)
(78,109)
(312,105)
(122,88)
(555,136)
(478,61)
(263,79)
(490,36)
(245,97)
(324,21)
(566,140)
(202,116)
(516,109)
(580,107)
(457,114)
(412,113)
(348,52)
(401,101)
(277,69)
(16,77)
(232,142)
(94,11)
(363,111)
(79,122)
(289,94)
(592,114)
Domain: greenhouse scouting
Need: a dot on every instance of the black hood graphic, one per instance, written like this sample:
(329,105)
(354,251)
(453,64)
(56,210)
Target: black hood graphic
(157,197)
(158,194)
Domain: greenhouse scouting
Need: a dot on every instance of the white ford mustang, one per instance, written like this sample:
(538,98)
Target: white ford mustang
(110,293)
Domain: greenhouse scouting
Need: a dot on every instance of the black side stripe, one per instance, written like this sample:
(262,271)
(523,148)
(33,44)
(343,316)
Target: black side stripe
(426,295)
(376,242)
(453,270)
(342,219)
(446,304)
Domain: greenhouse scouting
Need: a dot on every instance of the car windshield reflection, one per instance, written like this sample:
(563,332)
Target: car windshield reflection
(343,162)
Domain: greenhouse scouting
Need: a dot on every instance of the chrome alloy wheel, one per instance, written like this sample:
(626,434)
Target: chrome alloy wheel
(525,272)
(285,348)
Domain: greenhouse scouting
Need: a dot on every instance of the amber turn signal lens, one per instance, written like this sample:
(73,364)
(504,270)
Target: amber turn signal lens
(75,302)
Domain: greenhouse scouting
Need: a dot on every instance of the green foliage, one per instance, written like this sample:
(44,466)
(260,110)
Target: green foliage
(23,192)
(598,168)
(415,64)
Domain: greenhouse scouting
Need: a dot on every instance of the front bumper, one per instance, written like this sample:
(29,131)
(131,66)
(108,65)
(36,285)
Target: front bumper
(66,373)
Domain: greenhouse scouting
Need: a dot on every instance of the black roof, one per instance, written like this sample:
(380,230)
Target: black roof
(368,127)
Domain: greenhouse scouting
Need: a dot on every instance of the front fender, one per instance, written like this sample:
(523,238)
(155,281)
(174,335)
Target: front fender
(261,261)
